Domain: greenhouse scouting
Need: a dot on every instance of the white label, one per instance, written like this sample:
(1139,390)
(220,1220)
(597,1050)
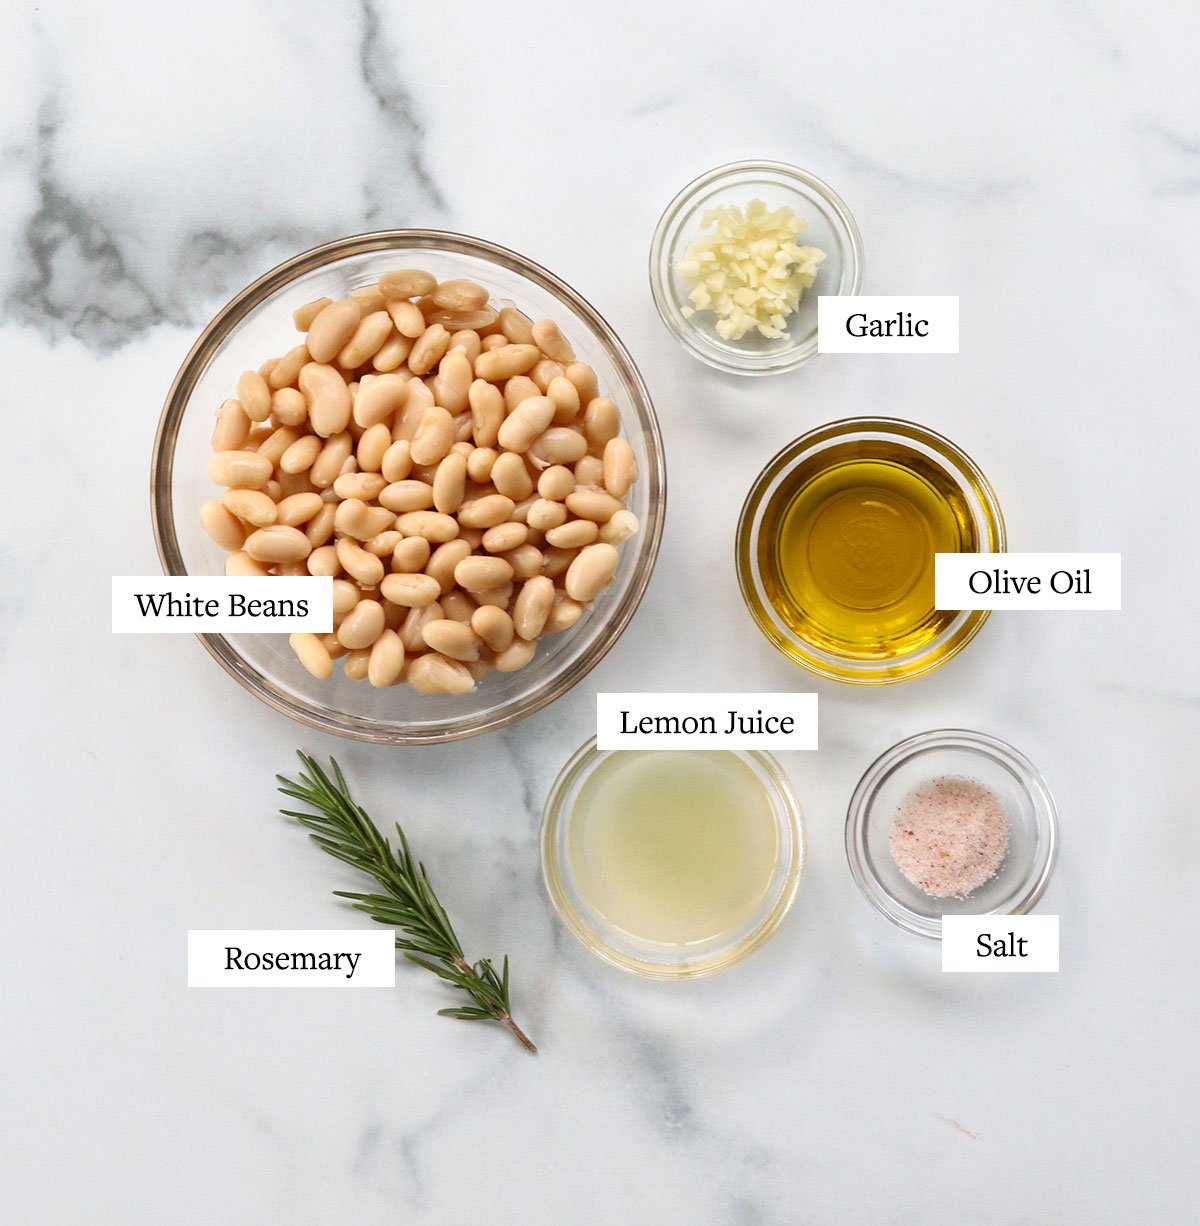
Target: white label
(285,958)
(219,604)
(887,323)
(1027,581)
(1000,942)
(706,721)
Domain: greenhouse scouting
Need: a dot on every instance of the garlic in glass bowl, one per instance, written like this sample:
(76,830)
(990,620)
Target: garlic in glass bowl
(829,228)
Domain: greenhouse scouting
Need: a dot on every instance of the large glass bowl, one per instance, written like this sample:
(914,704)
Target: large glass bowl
(257,325)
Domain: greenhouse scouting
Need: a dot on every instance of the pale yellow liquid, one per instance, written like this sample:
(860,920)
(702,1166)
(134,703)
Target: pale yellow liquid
(673,846)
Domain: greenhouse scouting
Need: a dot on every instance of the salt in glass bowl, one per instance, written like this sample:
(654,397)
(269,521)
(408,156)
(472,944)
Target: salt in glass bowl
(830,227)
(257,325)
(1025,871)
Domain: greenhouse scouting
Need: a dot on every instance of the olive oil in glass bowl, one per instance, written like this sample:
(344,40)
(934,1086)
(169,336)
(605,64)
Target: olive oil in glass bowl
(836,548)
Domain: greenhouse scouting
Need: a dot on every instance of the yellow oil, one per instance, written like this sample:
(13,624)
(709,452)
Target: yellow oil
(674,847)
(847,543)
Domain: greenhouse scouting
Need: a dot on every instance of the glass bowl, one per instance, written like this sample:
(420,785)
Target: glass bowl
(661,960)
(1032,827)
(830,227)
(859,438)
(256,325)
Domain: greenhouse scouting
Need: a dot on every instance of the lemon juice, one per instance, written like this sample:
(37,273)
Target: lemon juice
(674,847)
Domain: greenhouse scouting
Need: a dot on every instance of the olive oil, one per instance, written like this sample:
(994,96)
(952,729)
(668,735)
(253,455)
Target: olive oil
(847,544)
(674,847)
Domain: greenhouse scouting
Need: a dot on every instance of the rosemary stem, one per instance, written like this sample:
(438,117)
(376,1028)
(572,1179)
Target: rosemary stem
(522,1037)
(498,1013)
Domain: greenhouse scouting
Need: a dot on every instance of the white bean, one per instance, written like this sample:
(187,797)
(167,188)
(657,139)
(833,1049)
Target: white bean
(332,328)
(243,470)
(453,639)
(232,428)
(278,543)
(387,659)
(591,570)
(551,342)
(328,398)
(222,525)
(254,507)
(311,653)
(494,627)
(432,673)
(525,423)
(434,436)
(532,607)
(362,625)
(358,563)
(410,591)
(378,398)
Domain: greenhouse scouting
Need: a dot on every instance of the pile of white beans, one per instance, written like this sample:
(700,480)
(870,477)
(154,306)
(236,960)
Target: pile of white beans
(449,464)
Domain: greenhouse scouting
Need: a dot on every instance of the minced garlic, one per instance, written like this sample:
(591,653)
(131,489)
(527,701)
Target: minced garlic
(750,272)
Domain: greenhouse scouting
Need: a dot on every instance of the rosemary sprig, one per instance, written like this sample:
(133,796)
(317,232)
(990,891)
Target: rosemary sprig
(408,903)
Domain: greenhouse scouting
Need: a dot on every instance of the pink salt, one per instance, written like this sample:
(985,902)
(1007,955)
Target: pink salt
(950,836)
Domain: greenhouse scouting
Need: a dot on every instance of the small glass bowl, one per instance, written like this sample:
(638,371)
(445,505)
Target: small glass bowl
(830,227)
(1032,827)
(257,324)
(659,960)
(868,434)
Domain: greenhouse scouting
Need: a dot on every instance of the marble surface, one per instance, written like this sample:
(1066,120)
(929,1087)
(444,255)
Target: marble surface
(1042,162)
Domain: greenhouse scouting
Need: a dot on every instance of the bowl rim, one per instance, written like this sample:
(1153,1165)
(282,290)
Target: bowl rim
(859,810)
(789,814)
(687,334)
(837,668)
(220,327)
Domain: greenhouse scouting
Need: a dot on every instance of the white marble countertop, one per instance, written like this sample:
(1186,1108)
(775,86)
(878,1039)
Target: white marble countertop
(1045,166)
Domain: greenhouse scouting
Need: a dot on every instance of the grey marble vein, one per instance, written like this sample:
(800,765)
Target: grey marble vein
(1172,159)
(397,108)
(968,189)
(71,275)
(80,269)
